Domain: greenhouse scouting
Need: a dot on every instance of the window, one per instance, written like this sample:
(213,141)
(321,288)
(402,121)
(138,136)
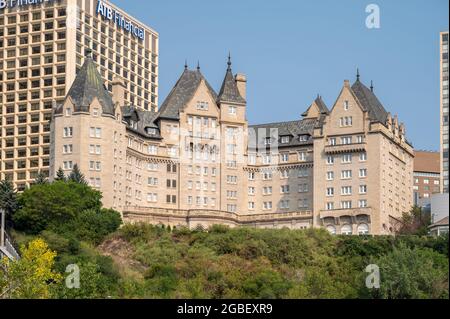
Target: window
(68,132)
(267,205)
(284,204)
(302,156)
(95,132)
(330,176)
(152,181)
(67,165)
(171,183)
(284,157)
(67,149)
(330,191)
(363,157)
(68,111)
(346,105)
(360,139)
(347,204)
(330,160)
(152,197)
(171,199)
(329,206)
(267,190)
(346,190)
(202,106)
(232,110)
(267,159)
(153,149)
(362,203)
(267,176)
(346,158)
(363,172)
(347,174)
(251,205)
(346,229)
(332,141)
(345,121)
(363,229)
(331,229)
(363,189)
(346,140)
(251,191)
(284,174)
(252,159)
(284,189)
(285,139)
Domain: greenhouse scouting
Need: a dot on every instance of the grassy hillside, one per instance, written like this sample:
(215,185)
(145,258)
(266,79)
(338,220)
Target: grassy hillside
(63,224)
(143,261)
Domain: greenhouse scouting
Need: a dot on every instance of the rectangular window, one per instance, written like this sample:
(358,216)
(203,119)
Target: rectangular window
(330,191)
(363,172)
(68,131)
(330,176)
(68,149)
(346,158)
(362,203)
(363,189)
(347,174)
(346,190)
(346,204)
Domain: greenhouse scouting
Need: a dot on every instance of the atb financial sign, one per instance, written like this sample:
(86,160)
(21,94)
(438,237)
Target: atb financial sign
(119,20)
(104,10)
(11,4)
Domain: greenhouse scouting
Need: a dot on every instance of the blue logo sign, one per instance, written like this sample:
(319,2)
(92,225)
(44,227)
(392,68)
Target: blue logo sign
(121,21)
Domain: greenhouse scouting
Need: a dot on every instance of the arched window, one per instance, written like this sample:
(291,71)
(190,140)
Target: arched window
(363,229)
(346,229)
(331,229)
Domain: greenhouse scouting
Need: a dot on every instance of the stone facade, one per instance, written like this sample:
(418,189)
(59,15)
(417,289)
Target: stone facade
(196,162)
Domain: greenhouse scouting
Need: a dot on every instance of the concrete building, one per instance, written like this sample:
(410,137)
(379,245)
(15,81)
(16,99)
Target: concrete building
(197,162)
(42,46)
(427,178)
(444,109)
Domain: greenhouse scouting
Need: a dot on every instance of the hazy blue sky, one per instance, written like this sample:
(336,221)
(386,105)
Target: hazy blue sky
(292,50)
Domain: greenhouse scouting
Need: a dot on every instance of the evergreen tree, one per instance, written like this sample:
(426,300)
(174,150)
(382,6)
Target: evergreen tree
(8,197)
(76,176)
(40,179)
(60,175)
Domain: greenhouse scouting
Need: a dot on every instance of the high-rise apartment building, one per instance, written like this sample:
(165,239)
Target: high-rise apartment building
(427,177)
(444,109)
(197,162)
(42,46)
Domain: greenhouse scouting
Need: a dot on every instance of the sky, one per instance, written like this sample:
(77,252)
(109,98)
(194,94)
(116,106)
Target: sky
(292,50)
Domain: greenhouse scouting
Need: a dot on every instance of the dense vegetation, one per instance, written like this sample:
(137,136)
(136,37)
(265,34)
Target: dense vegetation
(63,223)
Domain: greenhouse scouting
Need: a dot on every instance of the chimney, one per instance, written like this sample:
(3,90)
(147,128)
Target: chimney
(241,82)
(346,83)
(118,91)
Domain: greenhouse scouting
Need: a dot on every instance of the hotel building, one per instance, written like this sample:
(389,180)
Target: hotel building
(196,161)
(42,47)
(444,109)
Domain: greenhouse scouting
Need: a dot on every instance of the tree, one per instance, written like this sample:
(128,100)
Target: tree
(415,222)
(51,206)
(31,276)
(8,198)
(416,273)
(94,225)
(76,175)
(60,176)
(40,179)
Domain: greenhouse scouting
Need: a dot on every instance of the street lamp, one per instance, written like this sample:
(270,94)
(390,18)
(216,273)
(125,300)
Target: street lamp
(2,230)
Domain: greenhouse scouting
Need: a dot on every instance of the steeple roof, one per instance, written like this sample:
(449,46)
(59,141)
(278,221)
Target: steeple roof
(322,108)
(369,102)
(88,84)
(182,93)
(229,91)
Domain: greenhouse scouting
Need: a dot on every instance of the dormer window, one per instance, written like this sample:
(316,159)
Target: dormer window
(95,112)
(303,138)
(133,124)
(68,111)
(151,131)
(267,141)
(284,139)
(232,110)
